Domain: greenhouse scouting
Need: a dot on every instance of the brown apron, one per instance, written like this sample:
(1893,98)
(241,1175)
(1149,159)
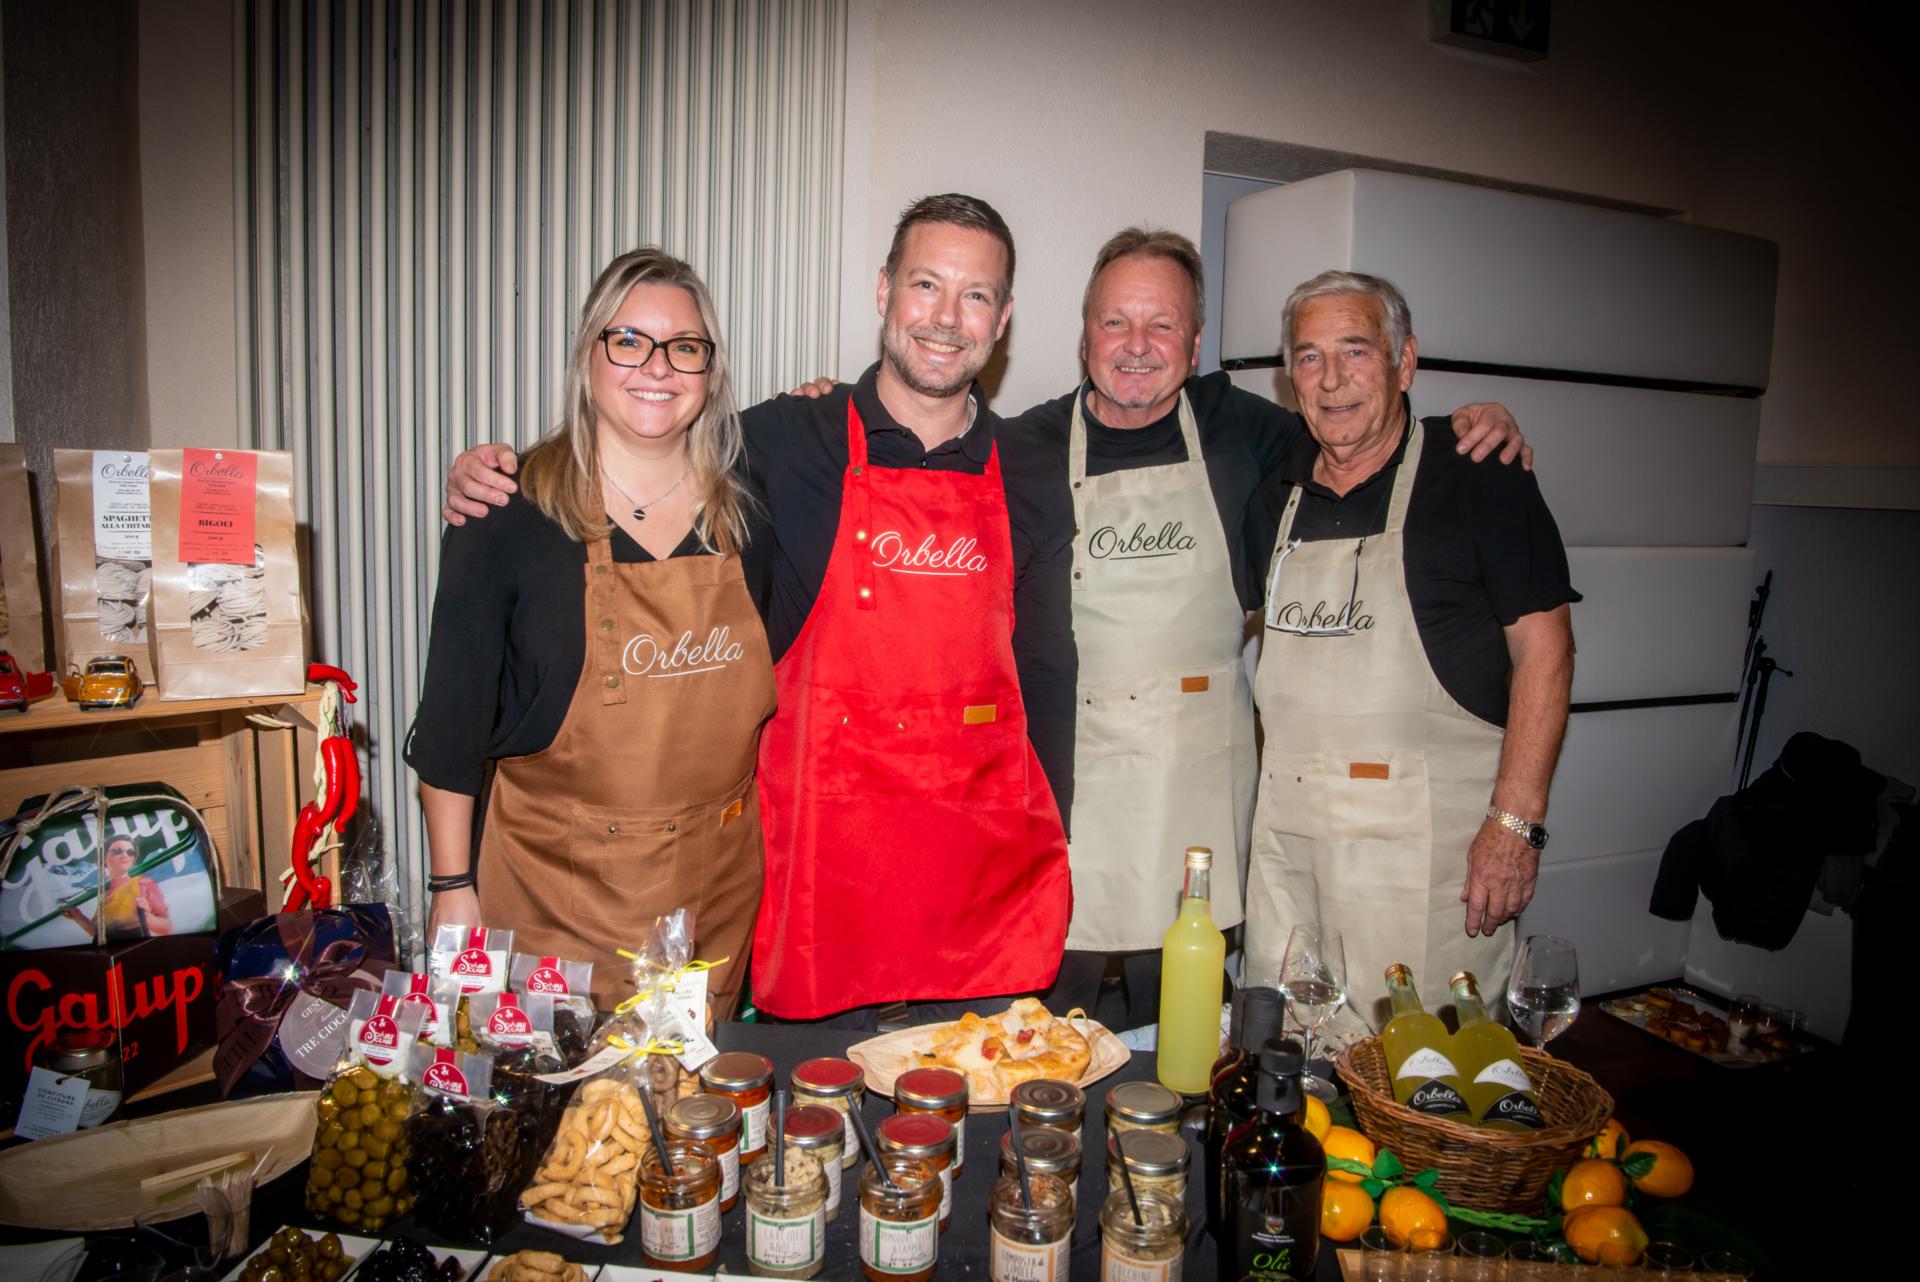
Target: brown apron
(645,800)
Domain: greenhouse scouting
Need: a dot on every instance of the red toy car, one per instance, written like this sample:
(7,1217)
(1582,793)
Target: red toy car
(19,688)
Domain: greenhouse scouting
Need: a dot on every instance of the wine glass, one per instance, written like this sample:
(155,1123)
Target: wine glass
(1543,995)
(1313,975)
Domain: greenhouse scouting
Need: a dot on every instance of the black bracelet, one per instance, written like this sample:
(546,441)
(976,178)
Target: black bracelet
(452,881)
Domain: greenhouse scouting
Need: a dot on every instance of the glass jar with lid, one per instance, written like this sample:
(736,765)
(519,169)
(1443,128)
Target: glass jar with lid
(680,1207)
(838,1084)
(816,1131)
(1158,1161)
(787,1223)
(928,1137)
(1150,1251)
(714,1120)
(1143,1106)
(941,1091)
(899,1225)
(92,1055)
(1045,1102)
(747,1080)
(1049,1152)
(1030,1243)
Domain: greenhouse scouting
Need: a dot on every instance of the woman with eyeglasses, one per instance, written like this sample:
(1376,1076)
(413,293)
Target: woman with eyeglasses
(597,675)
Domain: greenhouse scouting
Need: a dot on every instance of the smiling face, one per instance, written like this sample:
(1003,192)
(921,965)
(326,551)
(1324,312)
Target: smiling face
(1141,339)
(943,307)
(120,854)
(653,402)
(1348,380)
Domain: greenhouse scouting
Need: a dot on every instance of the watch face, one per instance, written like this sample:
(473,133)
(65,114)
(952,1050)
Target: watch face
(1536,836)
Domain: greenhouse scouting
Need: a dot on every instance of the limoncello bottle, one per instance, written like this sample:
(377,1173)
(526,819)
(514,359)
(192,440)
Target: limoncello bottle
(1192,962)
(1420,1054)
(1498,1089)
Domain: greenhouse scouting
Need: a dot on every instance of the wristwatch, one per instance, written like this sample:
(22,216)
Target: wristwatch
(1533,834)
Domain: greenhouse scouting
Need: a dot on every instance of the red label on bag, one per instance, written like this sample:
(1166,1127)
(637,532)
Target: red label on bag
(217,493)
(474,963)
(444,1074)
(509,1023)
(546,978)
(380,1039)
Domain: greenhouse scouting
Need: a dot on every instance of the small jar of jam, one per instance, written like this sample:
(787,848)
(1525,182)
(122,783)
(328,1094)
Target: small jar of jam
(941,1091)
(899,1226)
(1030,1243)
(1150,1251)
(747,1080)
(1049,1152)
(818,1131)
(1045,1102)
(715,1121)
(94,1057)
(1142,1106)
(680,1208)
(787,1223)
(1158,1161)
(837,1084)
(928,1137)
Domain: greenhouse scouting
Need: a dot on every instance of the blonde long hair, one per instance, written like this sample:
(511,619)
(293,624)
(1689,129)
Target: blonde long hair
(561,474)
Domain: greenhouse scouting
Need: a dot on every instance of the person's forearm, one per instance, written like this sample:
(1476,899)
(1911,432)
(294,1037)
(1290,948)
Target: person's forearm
(449,830)
(1536,722)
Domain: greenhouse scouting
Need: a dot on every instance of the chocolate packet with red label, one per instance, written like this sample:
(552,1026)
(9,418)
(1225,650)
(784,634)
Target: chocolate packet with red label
(517,1032)
(436,999)
(475,957)
(358,1173)
(469,1158)
(570,984)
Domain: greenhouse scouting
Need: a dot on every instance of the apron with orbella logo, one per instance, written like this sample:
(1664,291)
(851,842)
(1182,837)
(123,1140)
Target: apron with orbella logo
(1163,754)
(1373,779)
(914,851)
(644,801)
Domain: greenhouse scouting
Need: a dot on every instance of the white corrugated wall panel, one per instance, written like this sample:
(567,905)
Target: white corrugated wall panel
(426,190)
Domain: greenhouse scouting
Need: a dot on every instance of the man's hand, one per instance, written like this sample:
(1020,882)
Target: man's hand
(456,907)
(815,390)
(1483,428)
(478,480)
(1501,870)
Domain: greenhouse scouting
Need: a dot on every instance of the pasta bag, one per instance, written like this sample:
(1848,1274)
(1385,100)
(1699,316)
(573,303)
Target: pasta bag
(102,557)
(358,1174)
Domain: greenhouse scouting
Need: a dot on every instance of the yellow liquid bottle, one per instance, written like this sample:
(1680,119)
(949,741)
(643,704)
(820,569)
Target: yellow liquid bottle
(1420,1054)
(1498,1089)
(1192,959)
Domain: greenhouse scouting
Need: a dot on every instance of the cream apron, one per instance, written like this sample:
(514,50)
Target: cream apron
(1373,782)
(1163,752)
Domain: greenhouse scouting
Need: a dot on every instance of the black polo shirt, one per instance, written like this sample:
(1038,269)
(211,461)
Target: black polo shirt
(1481,551)
(1243,436)
(797,459)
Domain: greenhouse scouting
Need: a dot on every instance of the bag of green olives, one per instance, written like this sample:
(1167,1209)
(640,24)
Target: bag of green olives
(358,1175)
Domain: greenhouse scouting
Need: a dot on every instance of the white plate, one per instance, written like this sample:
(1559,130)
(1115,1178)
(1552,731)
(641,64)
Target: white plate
(470,1257)
(352,1245)
(639,1273)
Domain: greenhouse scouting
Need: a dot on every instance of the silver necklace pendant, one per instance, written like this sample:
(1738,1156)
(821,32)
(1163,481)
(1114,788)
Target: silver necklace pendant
(639,514)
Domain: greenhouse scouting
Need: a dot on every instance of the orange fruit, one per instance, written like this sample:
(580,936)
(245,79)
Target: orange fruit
(1593,1182)
(1410,1218)
(1604,1235)
(1317,1121)
(1672,1171)
(1342,1141)
(1612,1138)
(1345,1211)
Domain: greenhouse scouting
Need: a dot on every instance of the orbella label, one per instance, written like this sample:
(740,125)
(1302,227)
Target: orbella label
(1427,1062)
(775,1242)
(122,512)
(1023,1262)
(218,489)
(1504,1072)
(680,1235)
(1518,1108)
(898,1246)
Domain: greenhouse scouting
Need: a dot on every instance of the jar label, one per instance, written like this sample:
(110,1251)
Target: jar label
(832,1170)
(680,1235)
(946,1192)
(898,1246)
(99,1106)
(849,1138)
(1115,1266)
(960,1145)
(729,1173)
(776,1242)
(1024,1262)
(753,1126)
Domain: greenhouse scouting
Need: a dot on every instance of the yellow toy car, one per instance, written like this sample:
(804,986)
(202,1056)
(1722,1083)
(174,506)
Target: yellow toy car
(109,682)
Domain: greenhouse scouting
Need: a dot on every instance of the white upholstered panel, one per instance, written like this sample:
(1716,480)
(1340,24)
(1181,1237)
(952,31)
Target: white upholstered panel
(1601,905)
(1659,622)
(1630,779)
(1813,974)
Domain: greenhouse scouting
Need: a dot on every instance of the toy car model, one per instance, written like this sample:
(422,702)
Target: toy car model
(109,682)
(19,687)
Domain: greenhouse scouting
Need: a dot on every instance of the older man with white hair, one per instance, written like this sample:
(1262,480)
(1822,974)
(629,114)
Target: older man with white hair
(1414,675)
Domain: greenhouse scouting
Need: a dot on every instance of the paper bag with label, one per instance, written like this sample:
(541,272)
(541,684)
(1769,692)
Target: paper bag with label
(21,612)
(227,614)
(102,556)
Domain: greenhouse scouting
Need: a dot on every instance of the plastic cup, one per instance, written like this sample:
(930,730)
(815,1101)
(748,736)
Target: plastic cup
(1480,1257)
(1381,1259)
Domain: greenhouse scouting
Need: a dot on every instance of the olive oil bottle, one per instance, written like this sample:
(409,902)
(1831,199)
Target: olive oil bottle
(1232,1099)
(1271,1172)
(1498,1089)
(1420,1054)
(1192,966)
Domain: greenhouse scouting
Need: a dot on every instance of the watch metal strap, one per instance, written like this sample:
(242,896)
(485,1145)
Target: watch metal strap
(1511,822)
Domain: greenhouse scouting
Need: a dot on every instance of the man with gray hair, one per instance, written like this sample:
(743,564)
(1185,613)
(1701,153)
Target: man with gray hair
(1414,675)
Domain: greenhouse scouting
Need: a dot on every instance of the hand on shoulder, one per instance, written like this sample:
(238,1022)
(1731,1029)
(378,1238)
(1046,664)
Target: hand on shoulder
(480,480)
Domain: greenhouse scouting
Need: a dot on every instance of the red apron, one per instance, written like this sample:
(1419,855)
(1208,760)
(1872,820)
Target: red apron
(914,849)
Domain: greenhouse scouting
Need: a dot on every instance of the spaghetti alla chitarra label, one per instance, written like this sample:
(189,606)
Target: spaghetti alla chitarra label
(217,493)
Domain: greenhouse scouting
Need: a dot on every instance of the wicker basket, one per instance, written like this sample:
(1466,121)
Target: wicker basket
(1483,1169)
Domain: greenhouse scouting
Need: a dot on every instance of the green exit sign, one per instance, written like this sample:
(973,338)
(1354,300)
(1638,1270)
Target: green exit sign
(1508,28)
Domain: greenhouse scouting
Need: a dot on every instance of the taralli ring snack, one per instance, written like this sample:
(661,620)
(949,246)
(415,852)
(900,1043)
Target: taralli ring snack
(535,1266)
(590,1179)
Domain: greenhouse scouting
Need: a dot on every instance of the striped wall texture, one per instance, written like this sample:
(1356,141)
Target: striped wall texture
(424,193)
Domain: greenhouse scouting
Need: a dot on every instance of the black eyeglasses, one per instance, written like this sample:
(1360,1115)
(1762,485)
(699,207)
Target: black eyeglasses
(631,348)
(1340,625)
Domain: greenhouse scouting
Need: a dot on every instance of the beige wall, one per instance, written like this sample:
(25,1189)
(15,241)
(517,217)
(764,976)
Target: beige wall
(1078,116)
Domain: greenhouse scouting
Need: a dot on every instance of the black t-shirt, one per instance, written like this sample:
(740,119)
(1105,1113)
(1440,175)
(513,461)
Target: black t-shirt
(1243,436)
(1481,550)
(509,638)
(797,459)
